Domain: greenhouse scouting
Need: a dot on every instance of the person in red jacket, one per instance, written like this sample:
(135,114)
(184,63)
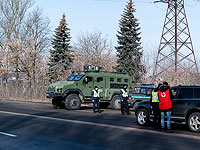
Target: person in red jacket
(165,105)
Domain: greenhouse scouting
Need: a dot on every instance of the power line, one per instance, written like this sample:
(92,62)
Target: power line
(159,7)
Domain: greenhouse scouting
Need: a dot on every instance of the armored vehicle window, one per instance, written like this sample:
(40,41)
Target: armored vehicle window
(87,79)
(75,77)
(111,79)
(117,86)
(197,93)
(118,80)
(78,77)
(185,93)
(125,80)
(99,79)
(70,78)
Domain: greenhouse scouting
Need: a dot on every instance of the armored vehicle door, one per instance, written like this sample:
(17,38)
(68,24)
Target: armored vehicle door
(88,86)
(100,82)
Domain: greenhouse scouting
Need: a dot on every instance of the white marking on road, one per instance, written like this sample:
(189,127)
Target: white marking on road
(8,134)
(104,125)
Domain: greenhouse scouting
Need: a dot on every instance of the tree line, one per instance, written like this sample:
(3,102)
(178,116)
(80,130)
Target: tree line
(32,56)
(94,49)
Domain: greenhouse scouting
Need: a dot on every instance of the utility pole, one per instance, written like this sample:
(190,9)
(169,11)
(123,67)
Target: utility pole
(176,53)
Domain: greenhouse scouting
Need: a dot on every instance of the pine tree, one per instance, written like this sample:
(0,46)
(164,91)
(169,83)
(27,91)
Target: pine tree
(61,59)
(129,50)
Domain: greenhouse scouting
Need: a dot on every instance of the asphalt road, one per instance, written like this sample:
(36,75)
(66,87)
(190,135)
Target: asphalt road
(37,126)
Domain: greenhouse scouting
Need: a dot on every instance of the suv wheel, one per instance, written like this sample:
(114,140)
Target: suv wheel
(142,117)
(194,122)
(72,102)
(115,102)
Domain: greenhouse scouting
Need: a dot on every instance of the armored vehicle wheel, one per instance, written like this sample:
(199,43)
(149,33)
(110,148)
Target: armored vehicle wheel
(194,122)
(115,102)
(72,102)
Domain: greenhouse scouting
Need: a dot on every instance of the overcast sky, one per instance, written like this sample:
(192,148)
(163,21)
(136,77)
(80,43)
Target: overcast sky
(104,15)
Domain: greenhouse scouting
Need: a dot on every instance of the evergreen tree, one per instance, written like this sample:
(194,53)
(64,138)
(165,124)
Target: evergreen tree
(61,59)
(129,50)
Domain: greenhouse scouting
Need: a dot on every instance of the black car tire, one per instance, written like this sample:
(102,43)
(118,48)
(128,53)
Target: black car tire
(194,122)
(72,102)
(142,117)
(115,102)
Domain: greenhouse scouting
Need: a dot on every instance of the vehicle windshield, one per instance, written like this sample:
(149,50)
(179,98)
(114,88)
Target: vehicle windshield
(75,77)
(142,90)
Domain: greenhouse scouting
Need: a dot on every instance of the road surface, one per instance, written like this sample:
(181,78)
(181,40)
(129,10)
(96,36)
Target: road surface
(37,126)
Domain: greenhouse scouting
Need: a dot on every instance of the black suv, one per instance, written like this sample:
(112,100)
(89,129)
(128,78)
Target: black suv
(186,107)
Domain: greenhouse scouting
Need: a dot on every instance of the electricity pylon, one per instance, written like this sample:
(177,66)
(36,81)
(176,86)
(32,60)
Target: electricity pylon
(176,53)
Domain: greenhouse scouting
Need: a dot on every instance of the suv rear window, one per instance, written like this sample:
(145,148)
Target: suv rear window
(185,93)
(197,93)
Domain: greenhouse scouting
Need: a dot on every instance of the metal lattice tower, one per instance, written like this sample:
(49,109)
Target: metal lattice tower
(176,53)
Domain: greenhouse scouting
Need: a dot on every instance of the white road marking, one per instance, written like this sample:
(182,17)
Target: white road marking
(104,125)
(8,134)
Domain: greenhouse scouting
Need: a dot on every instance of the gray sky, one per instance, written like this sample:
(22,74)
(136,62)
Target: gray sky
(104,15)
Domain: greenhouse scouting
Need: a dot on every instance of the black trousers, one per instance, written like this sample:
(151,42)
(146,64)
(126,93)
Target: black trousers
(124,106)
(156,118)
(96,102)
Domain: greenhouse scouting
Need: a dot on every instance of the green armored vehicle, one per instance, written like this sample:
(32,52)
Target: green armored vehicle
(77,89)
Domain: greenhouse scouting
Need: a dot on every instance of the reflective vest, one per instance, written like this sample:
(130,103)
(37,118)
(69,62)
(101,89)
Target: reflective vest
(124,93)
(155,97)
(164,100)
(96,93)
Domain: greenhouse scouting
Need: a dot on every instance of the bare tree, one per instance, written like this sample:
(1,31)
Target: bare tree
(94,49)
(25,37)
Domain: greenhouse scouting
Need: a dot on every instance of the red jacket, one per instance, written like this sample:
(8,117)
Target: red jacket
(164,100)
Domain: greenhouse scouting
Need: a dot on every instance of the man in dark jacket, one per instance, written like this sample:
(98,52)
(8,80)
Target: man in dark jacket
(165,105)
(154,101)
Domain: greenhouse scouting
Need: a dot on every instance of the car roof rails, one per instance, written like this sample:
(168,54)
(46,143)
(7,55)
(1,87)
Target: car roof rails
(189,85)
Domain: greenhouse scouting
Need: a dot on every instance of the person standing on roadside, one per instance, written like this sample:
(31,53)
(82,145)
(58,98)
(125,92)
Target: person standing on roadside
(154,101)
(124,100)
(165,105)
(96,99)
